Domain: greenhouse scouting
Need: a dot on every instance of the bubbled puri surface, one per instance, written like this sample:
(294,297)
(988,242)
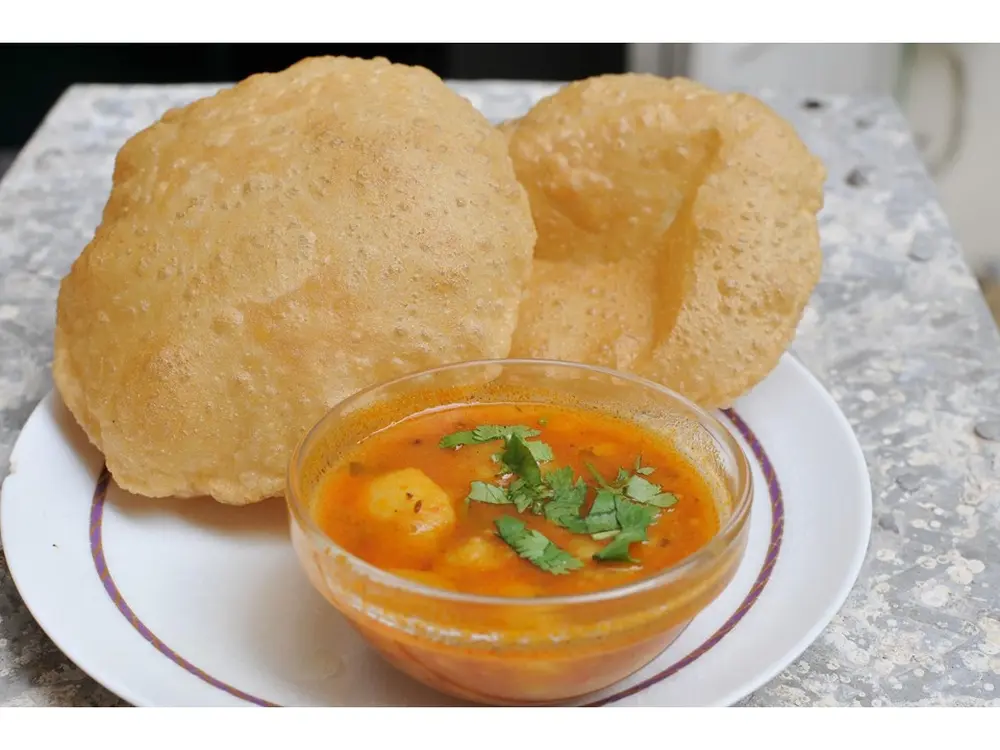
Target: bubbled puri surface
(677,233)
(269,250)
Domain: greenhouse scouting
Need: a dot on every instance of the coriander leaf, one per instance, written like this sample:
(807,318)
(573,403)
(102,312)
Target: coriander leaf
(521,495)
(603,514)
(603,503)
(617,549)
(644,491)
(518,458)
(515,533)
(522,502)
(568,519)
(664,500)
(605,534)
(622,478)
(541,451)
(456,439)
(634,519)
(567,498)
(560,480)
(543,421)
(632,516)
(641,490)
(486,433)
(640,469)
(597,476)
(535,547)
(488,493)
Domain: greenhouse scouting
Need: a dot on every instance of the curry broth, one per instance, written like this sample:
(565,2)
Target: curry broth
(467,555)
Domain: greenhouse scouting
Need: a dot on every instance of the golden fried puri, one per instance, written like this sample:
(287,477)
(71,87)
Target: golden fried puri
(269,250)
(677,233)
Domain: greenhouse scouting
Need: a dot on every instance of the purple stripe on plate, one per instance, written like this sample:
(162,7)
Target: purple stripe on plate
(777,529)
(773,547)
(101,564)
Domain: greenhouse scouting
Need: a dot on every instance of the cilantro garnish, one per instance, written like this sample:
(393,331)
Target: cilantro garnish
(488,493)
(640,469)
(643,491)
(487,433)
(526,489)
(525,496)
(601,535)
(633,519)
(617,549)
(603,516)
(597,476)
(540,451)
(535,547)
(567,498)
(622,510)
(635,487)
(517,457)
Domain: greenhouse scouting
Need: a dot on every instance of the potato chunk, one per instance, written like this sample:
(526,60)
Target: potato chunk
(584,547)
(480,553)
(411,504)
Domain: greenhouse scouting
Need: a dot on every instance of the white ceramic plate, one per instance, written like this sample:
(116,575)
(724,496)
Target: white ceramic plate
(189,602)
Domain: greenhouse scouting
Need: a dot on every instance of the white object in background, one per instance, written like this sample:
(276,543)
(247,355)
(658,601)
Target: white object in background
(810,68)
(189,602)
(953,103)
(659,59)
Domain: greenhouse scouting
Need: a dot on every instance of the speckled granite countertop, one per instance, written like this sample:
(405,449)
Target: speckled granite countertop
(897,331)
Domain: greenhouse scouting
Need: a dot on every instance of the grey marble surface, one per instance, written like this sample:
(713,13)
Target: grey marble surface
(897,331)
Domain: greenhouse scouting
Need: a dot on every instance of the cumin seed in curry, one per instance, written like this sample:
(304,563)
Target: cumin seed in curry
(518,500)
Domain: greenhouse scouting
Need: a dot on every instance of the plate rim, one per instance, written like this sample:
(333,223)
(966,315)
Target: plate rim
(775,667)
(835,604)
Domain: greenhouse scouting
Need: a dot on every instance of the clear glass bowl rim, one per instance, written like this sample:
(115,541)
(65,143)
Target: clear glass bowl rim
(703,556)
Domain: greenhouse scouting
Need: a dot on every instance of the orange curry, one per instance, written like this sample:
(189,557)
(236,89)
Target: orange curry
(517,500)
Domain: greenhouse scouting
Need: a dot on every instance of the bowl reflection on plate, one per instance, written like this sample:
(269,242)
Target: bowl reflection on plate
(510,651)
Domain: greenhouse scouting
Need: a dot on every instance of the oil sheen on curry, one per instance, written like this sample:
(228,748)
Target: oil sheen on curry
(517,500)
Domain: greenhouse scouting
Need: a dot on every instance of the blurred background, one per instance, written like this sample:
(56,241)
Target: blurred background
(947,91)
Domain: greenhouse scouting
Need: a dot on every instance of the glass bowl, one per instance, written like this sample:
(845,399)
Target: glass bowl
(521,651)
